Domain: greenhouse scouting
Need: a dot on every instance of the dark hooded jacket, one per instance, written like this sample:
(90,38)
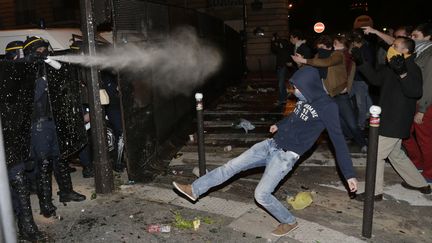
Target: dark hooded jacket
(300,130)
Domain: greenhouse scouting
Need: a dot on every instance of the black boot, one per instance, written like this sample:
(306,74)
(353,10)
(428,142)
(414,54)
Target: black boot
(44,193)
(64,181)
(88,171)
(26,225)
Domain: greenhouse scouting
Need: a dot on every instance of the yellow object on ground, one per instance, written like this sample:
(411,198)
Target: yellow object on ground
(301,200)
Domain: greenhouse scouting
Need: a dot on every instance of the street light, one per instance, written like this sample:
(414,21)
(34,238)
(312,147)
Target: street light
(290,5)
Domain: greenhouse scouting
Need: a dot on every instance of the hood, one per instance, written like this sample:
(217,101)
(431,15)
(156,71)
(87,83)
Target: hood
(308,81)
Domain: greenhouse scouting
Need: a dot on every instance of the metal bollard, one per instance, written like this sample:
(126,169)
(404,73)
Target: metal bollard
(368,207)
(200,133)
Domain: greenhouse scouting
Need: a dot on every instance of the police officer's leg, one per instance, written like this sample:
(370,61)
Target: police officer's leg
(22,206)
(62,173)
(64,181)
(40,140)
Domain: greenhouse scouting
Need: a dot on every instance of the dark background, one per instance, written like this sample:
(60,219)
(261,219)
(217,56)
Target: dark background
(338,15)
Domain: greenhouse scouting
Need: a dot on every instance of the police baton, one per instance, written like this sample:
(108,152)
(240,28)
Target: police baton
(368,207)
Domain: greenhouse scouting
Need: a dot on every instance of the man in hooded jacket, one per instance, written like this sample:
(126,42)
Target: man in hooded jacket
(293,136)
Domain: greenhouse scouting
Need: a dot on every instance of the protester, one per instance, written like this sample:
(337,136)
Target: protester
(360,89)
(338,83)
(297,38)
(293,136)
(401,86)
(280,48)
(419,144)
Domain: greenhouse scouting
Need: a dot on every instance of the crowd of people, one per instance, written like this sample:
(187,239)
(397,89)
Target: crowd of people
(35,172)
(332,91)
(332,84)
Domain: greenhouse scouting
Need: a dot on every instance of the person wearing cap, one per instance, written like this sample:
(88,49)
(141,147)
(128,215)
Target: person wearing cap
(45,148)
(20,193)
(293,136)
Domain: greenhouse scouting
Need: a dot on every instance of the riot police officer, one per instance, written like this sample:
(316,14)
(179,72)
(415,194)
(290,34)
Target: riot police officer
(45,147)
(28,230)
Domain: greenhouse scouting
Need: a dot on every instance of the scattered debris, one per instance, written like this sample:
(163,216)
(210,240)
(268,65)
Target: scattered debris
(245,124)
(82,210)
(207,220)
(301,200)
(304,187)
(156,228)
(177,172)
(181,223)
(131,216)
(178,155)
(93,196)
(196,224)
(266,90)
(227,148)
(249,88)
(214,230)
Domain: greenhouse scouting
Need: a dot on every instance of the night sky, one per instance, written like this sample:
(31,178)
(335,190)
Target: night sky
(337,15)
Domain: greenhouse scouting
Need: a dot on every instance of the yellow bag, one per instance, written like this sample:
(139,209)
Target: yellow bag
(301,200)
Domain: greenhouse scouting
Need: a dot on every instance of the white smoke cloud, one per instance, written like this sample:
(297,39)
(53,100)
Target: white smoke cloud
(178,64)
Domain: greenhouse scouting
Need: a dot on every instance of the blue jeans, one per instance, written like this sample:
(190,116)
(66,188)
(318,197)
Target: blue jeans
(360,90)
(281,74)
(348,120)
(277,162)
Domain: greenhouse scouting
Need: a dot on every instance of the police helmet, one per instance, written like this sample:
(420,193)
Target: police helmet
(33,43)
(14,50)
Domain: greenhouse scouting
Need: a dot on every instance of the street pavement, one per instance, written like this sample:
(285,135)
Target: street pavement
(228,213)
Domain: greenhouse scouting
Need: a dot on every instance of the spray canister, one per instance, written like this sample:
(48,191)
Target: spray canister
(53,63)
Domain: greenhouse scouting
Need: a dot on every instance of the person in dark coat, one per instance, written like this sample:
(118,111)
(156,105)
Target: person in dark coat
(401,87)
(280,47)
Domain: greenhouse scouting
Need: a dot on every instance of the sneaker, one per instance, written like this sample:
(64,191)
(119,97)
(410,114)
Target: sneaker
(185,190)
(424,189)
(284,229)
(361,197)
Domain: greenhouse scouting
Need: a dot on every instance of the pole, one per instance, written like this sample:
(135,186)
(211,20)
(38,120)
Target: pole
(104,181)
(200,131)
(7,231)
(368,207)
